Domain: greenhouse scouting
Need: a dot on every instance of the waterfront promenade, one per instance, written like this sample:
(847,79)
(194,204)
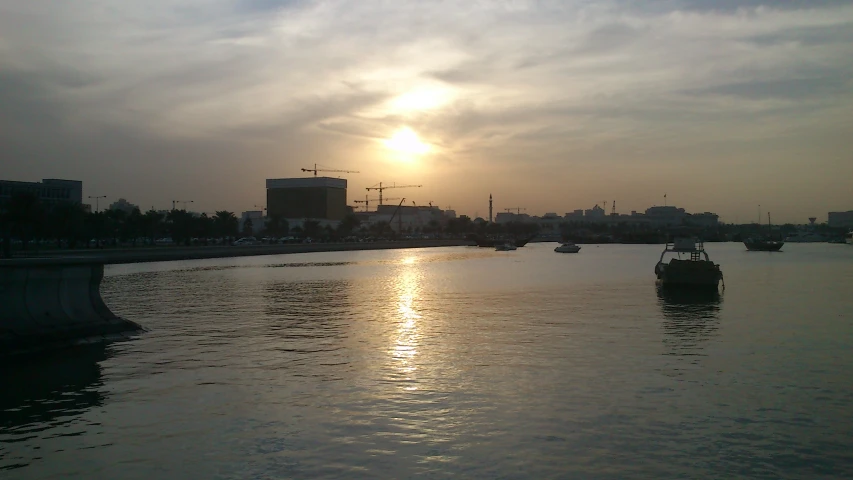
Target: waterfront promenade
(170,253)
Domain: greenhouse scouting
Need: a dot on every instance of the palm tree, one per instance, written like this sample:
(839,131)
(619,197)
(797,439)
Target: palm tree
(25,216)
(348,224)
(152,221)
(66,221)
(311,228)
(226,223)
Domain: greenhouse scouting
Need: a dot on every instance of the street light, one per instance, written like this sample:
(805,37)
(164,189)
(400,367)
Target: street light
(185,202)
(97,203)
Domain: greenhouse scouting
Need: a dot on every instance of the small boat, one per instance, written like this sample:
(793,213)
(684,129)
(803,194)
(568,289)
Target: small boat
(849,238)
(758,244)
(763,244)
(483,241)
(505,247)
(568,248)
(693,272)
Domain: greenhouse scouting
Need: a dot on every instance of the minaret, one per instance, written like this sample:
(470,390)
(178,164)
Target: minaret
(490,208)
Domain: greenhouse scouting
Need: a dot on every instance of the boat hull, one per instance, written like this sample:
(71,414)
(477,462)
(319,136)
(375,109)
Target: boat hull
(763,246)
(689,274)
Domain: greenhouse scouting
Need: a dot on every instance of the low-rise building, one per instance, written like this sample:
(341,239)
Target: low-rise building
(840,219)
(123,205)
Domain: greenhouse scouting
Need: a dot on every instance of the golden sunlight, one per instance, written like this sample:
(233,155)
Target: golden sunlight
(406,140)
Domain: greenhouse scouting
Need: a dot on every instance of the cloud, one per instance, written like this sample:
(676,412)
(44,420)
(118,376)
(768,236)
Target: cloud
(545,80)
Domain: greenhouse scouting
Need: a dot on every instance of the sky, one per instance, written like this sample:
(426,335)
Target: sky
(549,106)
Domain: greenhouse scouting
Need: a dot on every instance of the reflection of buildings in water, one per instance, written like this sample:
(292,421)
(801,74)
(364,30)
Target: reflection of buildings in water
(691,318)
(39,390)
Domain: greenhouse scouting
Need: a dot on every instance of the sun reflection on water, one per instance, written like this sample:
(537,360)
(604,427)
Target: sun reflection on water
(405,342)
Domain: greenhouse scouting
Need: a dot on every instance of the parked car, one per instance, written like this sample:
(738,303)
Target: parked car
(246,241)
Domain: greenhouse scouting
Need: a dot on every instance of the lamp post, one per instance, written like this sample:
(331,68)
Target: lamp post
(185,202)
(97,203)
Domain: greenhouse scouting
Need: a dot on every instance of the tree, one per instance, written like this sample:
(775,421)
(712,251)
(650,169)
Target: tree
(152,224)
(348,224)
(134,226)
(180,223)
(276,226)
(66,221)
(248,226)
(25,217)
(225,224)
(311,228)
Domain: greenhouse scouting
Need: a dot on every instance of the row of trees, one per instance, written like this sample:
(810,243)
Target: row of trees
(26,218)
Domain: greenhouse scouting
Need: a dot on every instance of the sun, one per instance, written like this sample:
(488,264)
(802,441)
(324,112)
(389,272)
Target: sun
(406,141)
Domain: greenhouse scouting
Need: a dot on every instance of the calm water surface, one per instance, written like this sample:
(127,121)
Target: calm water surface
(451,362)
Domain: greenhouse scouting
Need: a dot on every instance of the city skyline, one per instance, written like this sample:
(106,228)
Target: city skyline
(720,105)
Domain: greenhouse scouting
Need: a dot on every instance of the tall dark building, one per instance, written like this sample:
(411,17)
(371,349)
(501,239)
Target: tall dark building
(50,190)
(315,198)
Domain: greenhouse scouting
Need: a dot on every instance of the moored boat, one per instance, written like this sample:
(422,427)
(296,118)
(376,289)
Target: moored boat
(697,271)
(568,247)
(763,244)
(758,244)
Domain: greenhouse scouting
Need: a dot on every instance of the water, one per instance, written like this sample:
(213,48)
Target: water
(451,362)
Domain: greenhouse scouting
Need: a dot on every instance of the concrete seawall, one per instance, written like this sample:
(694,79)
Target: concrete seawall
(171,253)
(54,303)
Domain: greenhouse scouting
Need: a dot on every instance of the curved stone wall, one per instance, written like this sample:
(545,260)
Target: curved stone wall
(53,303)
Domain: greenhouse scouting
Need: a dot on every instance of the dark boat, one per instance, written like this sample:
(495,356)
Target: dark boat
(762,245)
(694,272)
(492,242)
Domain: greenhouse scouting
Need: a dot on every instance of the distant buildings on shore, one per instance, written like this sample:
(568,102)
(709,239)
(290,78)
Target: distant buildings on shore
(50,190)
(841,219)
(653,216)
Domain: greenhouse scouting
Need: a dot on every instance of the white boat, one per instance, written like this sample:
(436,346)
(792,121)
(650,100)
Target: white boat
(568,247)
(849,238)
(505,247)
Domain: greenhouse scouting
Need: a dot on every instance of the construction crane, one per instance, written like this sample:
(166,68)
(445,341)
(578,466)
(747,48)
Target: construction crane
(517,210)
(418,214)
(316,169)
(367,201)
(383,188)
(613,209)
(381,229)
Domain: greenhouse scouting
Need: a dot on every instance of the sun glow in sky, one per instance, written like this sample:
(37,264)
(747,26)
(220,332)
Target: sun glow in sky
(406,141)
(722,105)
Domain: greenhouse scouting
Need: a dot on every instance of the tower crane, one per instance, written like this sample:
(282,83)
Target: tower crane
(367,201)
(316,169)
(382,188)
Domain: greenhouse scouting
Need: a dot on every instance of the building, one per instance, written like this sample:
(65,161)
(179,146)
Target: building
(316,198)
(841,219)
(596,213)
(408,217)
(50,190)
(123,205)
(256,217)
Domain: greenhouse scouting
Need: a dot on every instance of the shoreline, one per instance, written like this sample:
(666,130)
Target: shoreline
(173,253)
